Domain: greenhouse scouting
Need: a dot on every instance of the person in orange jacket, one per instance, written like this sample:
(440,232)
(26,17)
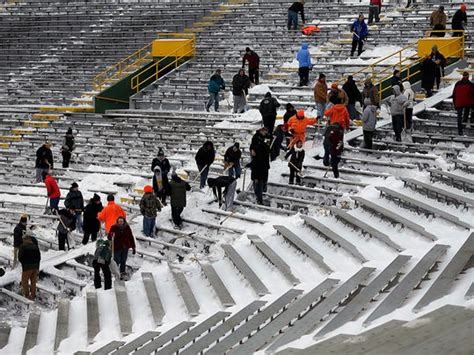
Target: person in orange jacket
(110,213)
(297,126)
(338,114)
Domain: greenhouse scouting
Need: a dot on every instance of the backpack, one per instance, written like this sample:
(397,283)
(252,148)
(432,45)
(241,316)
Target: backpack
(103,254)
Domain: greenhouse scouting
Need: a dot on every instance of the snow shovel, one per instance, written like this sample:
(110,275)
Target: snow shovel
(405,135)
(47,210)
(198,175)
(227,217)
(298,170)
(318,157)
(114,269)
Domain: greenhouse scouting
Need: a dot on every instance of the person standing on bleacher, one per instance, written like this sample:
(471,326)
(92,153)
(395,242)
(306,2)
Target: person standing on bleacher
(459,21)
(293,10)
(53,192)
(67,223)
(438,20)
(215,85)
(177,191)
(44,160)
(375,8)
(321,95)
(254,65)
(240,90)
(122,240)
(29,256)
(160,175)
(204,158)
(149,206)
(268,109)
(91,225)
(398,102)
(359,32)
(110,213)
(463,100)
(304,64)
(18,232)
(75,200)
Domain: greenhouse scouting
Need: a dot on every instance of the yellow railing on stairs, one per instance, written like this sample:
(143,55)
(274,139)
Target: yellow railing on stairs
(172,60)
(116,71)
(405,63)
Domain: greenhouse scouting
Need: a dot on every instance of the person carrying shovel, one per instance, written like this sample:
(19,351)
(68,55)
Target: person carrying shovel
(295,162)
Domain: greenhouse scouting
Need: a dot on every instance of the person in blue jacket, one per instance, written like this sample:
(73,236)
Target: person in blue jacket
(216,83)
(359,34)
(304,59)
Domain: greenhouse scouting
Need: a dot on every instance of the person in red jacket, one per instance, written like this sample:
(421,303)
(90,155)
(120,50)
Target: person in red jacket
(463,100)
(122,240)
(52,190)
(338,114)
(254,64)
(375,8)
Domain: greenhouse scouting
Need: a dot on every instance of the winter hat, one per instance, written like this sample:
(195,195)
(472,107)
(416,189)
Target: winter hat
(434,48)
(96,197)
(268,94)
(334,85)
(148,189)
(463,8)
(69,130)
(289,106)
(24,218)
(74,185)
(247,49)
(441,8)
(300,113)
(161,152)
(465,74)
(321,76)
(237,144)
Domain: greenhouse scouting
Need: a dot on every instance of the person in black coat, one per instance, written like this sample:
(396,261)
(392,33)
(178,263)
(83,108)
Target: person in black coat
(240,90)
(277,143)
(44,160)
(296,155)
(164,164)
(18,233)
(354,95)
(75,200)
(428,73)
(268,110)
(396,79)
(260,163)
(232,158)
(459,20)
(91,224)
(67,223)
(204,158)
(67,147)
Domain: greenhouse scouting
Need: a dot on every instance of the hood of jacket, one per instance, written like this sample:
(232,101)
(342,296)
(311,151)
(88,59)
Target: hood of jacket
(396,90)
(304,46)
(406,85)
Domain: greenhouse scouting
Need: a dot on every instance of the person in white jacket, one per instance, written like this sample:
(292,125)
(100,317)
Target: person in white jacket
(408,92)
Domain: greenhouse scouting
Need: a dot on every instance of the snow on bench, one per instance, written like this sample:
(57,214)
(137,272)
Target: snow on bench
(213,226)
(234,215)
(463,165)
(465,184)
(185,234)
(273,258)
(364,227)
(196,332)
(285,318)
(379,284)
(133,345)
(397,296)
(302,246)
(252,278)
(31,335)
(312,318)
(470,292)
(352,160)
(393,217)
(17,297)
(220,289)
(164,338)
(163,244)
(312,190)
(77,265)
(123,306)
(246,329)
(153,297)
(419,205)
(440,287)
(186,293)
(62,323)
(331,180)
(348,171)
(335,238)
(264,208)
(52,271)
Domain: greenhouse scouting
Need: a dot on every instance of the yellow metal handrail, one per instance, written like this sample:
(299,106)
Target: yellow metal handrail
(117,69)
(400,63)
(136,83)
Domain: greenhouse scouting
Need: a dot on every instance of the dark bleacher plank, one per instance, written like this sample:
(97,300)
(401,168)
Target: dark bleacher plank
(423,206)
(153,297)
(245,269)
(364,227)
(312,318)
(274,258)
(302,246)
(186,293)
(31,335)
(194,333)
(136,343)
(357,304)
(219,331)
(216,282)
(123,306)
(440,287)
(465,184)
(254,323)
(5,330)
(164,338)
(108,348)
(327,233)
(93,326)
(286,318)
(392,216)
(397,296)
(62,323)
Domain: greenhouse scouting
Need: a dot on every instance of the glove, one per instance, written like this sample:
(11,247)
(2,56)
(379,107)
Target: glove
(134,252)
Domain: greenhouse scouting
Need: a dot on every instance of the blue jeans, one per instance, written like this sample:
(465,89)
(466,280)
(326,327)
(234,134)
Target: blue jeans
(54,204)
(148,226)
(203,178)
(352,111)
(320,108)
(235,171)
(120,257)
(213,99)
(292,20)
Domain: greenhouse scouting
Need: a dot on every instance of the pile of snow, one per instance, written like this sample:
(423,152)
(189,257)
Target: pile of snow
(260,89)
